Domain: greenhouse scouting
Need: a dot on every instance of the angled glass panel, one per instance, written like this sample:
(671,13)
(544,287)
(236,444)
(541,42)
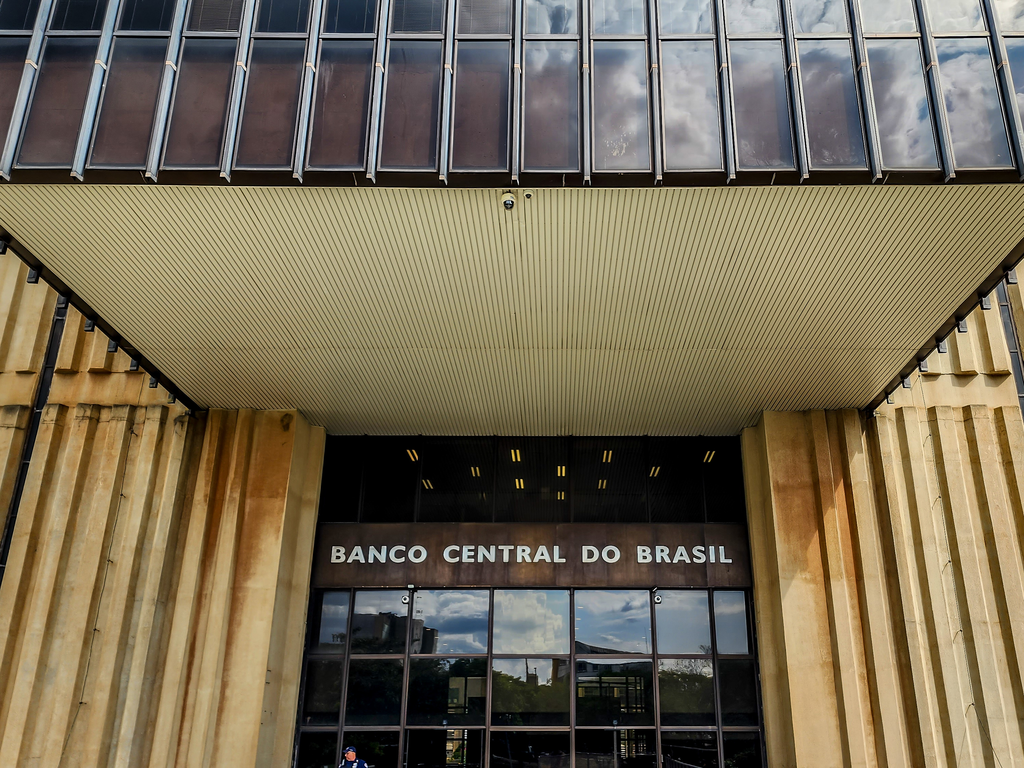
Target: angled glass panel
(215,15)
(379,621)
(342,104)
(764,133)
(196,131)
(460,470)
(881,16)
(458,748)
(529,691)
(322,703)
(374,695)
(609,480)
(390,478)
(485,17)
(832,111)
(530,487)
(18,14)
(692,749)
(693,126)
(55,114)
(613,621)
(621,129)
(317,749)
(738,690)
(614,692)
(1015,57)
(409,137)
(731,623)
(531,621)
(417,16)
(129,100)
(282,16)
(551,17)
(333,630)
(684,622)
(901,103)
(148,15)
(686,17)
(447,692)
(13,51)
(450,621)
(820,16)
(525,749)
(972,103)
(378,748)
(78,14)
(955,15)
(742,750)
(619,17)
(629,748)
(756,16)
(480,122)
(267,134)
(1010,12)
(350,16)
(686,689)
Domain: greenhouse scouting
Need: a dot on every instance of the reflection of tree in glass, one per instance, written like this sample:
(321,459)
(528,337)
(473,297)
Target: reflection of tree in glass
(687,692)
(519,701)
(374,692)
(456,687)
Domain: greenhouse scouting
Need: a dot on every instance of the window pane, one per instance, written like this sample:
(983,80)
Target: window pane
(417,16)
(742,750)
(267,134)
(18,14)
(323,692)
(379,621)
(689,749)
(78,14)
(342,103)
(283,16)
(675,481)
(1014,55)
(610,480)
(972,103)
(528,487)
(820,16)
(752,16)
(317,750)
(529,750)
(350,16)
(830,103)
(614,692)
(129,99)
(333,622)
(901,103)
(461,473)
(55,115)
(485,17)
(693,134)
(447,692)
(763,130)
(374,695)
(738,690)
(1011,15)
(215,15)
(619,17)
(686,17)
(684,624)
(378,748)
(390,479)
(731,622)
(687,691)
(550,17)
(888,16)
(531,621)
(626,748)
(480,131)
(450,621)
(148,15)
(530,692)
(613,621)
(410,111)
(200,102)
(621,135)
(444,749)
(13,51)
(955,15)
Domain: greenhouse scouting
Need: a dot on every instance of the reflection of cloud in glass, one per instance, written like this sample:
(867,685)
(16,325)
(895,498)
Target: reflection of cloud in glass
(531,621)
(1015,56)
(551,100)
(731,622)
(1011,16)
(333,618)
(618,620)
(459,617)
(752,16)
(763,130)
(888,15)
(618,17)
(819,16)
(550,17)
(901,103)
(384,601)
(621,140)
(955,15)
(830,103)
(692,125)
(972,103)
(683,621)
(685,17)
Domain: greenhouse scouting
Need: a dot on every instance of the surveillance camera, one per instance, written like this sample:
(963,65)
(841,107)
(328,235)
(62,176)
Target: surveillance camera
(508,200)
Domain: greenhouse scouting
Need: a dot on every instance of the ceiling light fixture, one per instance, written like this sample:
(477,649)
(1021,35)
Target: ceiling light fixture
(602,484)
(428,485)
(515,455)
(561,470)
(708,457)
(519,483)
(655,471)
(474,471)
(413,456)
(607,458)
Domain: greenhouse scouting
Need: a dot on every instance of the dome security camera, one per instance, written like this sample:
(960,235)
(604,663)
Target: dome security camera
(508,200)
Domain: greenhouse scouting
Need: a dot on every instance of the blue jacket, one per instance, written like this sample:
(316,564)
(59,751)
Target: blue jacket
(357,763)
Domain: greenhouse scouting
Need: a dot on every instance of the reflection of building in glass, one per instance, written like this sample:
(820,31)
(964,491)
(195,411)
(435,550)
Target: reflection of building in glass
(378,626)
(424,639)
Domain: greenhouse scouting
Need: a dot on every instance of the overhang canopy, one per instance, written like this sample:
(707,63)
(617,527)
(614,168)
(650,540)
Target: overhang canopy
(582,311)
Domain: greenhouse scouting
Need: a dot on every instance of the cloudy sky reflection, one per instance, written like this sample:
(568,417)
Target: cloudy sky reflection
(613,621)
(531,621)
(459,617)
(901,103)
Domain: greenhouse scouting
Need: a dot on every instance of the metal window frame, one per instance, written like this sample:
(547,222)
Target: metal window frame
(235,95)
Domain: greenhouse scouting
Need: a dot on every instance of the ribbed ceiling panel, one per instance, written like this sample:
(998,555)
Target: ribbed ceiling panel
(583,311)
